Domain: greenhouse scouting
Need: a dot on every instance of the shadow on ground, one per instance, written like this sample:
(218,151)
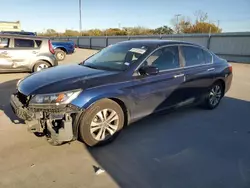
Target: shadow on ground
(6,89)
(187,148)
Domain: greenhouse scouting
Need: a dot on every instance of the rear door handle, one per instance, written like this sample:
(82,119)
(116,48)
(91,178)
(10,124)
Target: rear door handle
(211,69)
(34,52)
(178,75)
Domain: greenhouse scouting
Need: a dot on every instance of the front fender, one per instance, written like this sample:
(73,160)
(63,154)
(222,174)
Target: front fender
(88,97)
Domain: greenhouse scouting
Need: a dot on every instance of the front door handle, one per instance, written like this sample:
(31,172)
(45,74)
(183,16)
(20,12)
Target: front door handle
(211,69)
(178,75)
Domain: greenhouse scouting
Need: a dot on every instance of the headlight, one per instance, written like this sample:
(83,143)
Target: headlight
(18,82)
(55,98)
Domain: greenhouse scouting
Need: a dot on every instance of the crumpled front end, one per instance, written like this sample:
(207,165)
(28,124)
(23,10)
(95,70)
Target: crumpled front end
(54,121)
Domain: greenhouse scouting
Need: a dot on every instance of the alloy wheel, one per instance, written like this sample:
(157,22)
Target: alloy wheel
(215,95)
(41,67)
(104,124)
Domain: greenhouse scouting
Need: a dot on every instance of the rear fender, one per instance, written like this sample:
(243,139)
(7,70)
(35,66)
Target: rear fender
(43,58)
(62,48)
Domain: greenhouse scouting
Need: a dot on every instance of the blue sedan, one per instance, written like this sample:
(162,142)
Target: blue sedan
(94,100)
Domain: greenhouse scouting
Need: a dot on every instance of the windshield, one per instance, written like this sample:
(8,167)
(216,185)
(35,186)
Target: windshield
(116,57)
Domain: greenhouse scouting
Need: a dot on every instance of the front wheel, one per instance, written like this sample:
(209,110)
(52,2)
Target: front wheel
(214,96)
(101,123)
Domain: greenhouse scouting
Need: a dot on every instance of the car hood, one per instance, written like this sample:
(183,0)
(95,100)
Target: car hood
(61,78)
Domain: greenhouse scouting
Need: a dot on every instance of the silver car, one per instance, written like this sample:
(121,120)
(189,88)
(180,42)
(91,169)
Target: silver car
(25,53)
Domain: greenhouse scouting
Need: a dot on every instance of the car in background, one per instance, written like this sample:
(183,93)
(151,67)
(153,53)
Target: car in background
(62,48)
(19,53)
(19,33)
(125,82)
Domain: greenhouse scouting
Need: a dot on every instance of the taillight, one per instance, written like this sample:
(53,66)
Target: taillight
(51,49)
(230,68)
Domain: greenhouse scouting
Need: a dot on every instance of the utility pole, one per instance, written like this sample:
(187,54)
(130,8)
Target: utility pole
(177,22)
(218,23)
(80,16)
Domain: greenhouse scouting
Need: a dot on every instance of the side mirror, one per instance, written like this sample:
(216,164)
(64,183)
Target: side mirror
(148,70)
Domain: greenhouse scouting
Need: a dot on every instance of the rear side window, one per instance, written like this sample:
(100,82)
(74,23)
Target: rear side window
(193,55)
(208,56)
(4,42)
(24,43)
(38,43)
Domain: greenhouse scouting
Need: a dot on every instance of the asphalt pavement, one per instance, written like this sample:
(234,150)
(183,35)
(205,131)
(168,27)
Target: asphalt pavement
(189,148)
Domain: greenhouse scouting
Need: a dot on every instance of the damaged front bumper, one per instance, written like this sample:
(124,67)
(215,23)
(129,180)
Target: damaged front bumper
(56,122)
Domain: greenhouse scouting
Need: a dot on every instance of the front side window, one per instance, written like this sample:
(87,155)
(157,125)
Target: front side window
(164,59)
(193,55)
(4,42)
(24,43)
(116,57)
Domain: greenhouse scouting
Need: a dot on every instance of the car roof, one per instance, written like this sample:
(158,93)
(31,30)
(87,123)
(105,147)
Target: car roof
(158,42)
(22,36)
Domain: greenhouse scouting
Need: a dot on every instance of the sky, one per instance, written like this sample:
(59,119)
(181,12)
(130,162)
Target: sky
(39,15)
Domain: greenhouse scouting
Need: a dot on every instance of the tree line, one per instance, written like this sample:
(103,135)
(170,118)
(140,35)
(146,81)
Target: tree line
(200,24)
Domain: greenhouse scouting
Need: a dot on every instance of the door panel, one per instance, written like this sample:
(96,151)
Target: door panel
(197,80)
(5,58)
(156,92)
(22,58)
(153,93)
(198,74)
(23,52)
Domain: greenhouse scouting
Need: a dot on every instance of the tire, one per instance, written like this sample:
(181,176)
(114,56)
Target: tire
(216,91)
(41,65)
(60,54)
(93,116)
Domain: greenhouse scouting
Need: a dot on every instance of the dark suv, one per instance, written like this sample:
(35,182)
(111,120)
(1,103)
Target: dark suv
(20,53)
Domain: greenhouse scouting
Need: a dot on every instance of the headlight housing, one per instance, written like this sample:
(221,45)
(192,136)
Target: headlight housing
(55,98)
(19,81)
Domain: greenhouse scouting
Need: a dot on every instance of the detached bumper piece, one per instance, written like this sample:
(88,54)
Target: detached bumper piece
(53,122)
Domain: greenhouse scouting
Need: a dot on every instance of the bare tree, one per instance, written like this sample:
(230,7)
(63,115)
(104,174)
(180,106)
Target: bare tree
(201,16)
(180,24)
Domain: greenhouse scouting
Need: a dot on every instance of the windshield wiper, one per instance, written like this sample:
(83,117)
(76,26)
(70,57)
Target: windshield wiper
(89,66)
(101,68)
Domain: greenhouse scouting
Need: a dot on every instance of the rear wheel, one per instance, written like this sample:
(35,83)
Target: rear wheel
(40,65)
(214,96)
(60,54)
(101,123)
